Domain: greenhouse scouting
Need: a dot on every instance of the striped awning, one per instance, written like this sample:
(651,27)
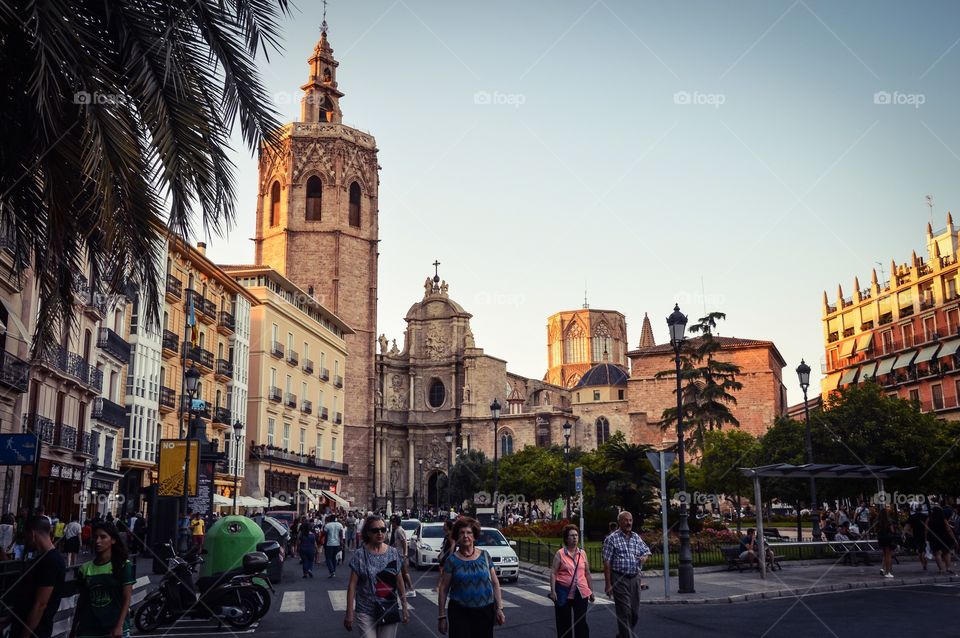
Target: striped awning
(863,342)
(847,349)
(866,372)
(927,353)
(949,348)
(884,366)
(904,360)
(849,376)
(829,382)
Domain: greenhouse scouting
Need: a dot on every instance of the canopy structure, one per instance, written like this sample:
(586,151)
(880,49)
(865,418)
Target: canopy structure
(249,501)
(220,499)
(814,471)
(336,498)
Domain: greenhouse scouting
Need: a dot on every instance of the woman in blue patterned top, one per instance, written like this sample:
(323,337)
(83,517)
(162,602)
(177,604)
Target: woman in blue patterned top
(470,581)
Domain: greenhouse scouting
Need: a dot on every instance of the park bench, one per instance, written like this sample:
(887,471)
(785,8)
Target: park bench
(866,552)
(773,532)
(732,555)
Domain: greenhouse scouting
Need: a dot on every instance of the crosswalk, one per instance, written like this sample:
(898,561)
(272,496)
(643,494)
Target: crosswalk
(295,601)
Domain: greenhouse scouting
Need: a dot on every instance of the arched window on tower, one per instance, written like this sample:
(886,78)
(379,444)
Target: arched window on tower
(355,205)
(603,430)
(575,345)
(602,343)
(506,443)
(314,197)
(275,204)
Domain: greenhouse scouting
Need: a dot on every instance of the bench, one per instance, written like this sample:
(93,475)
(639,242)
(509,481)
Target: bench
(732,555)
(773,532)
(860,552)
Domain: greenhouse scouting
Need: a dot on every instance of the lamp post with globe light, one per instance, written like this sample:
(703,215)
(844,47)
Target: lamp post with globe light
(677,323)
(495,415)
(566,459)
(803,373)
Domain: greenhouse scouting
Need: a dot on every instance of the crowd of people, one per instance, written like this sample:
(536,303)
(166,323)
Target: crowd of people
(71,537)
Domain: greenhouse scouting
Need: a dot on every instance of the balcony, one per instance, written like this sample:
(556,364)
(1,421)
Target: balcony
(199,356)
(114,345)
(224,369)
(85,446)
(14,372)
(171,343)
(275,394)
(324,374)
(209,311)
(290,400)
(338,419)
(293,358)
(276,349)
(306,406)
(95,306)
(72,367)
(307,366)
(39,425)
(324,414)
(847,332)
(906,311)
(278,456)
(926,303)
(226,324)
(66,437)
(109,412)
(221,415)
(338,381)
(168,399)
(886,318)
(174,289)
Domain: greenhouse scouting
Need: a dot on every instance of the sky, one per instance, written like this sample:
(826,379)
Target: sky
(739,157)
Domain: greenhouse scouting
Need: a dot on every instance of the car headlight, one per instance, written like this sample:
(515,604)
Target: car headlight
(426,547)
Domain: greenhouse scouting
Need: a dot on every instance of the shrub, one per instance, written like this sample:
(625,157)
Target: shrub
(541,529)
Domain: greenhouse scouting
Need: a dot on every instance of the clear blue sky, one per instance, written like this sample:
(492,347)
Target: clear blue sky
(781,178)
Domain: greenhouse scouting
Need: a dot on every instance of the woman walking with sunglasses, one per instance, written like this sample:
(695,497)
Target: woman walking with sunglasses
(375,595)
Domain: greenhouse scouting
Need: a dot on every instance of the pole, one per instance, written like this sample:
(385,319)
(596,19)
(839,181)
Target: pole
(496,472)
(236,470)
(813,482)
(685,570)
(36,468)
(663,517)
(566,451)
(760,544)
(186,463)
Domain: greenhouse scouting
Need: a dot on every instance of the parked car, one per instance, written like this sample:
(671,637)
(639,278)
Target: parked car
(410,526)
(424,547)
(506,563)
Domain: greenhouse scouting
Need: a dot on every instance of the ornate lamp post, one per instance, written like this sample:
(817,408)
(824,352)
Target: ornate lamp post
(237,432)
(420,498)
(191,380)
(448,437)
(803,373)
(677,323)
(495,415)
(566,459)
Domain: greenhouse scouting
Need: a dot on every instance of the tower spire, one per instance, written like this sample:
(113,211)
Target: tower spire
(321,97)
(646,333)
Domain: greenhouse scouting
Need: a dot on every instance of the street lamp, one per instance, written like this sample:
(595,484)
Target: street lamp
(237,431)
(677,323)
(566,459)
(448,437)
(192,380)
(495,414)
(419,498)
(803,373)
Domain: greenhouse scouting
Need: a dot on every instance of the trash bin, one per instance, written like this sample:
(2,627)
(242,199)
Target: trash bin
(227,541)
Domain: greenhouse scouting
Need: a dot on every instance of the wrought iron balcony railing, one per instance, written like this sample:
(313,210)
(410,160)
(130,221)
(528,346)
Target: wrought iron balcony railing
(114,345)
(110,412)
(14,372)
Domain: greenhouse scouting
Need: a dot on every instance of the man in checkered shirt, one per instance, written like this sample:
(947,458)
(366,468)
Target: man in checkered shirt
(624,554)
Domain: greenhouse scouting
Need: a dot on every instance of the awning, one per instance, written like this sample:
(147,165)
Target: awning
(14,317)
(904,360)
(336,498)
(847,349)
(866,372)
(220,499)
(927,353)
(864,341)
(309,496)
(830,382)
(885,366)
(249,501)
(849,376)
(949,348)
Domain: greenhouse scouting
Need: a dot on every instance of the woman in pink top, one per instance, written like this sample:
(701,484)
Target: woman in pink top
(570,587)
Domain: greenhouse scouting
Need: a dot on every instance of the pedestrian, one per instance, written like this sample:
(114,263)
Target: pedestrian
(570,586)
(398,541)
(197,529)
(375,594)
(308,549)
(105,587)
(333,541)
(863,519)
(941,538)
(7,534)
(624,554)
(351,531)
(469,579)
(36,598)
(888,538)
(71,541)
(915,535)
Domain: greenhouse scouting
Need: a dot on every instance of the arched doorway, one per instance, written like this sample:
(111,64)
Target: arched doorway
(437,489)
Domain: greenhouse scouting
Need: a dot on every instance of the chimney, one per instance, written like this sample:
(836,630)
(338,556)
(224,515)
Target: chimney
(202,248)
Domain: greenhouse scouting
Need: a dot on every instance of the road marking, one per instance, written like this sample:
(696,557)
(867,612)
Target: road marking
(198,631)
(598,599)
(539,599)
(338,599)
(293,601)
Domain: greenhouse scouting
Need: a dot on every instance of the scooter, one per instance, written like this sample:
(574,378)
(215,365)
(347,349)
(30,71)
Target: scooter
(229,598)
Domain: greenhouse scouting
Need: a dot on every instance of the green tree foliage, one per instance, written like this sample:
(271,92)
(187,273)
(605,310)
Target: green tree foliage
(724,453)
(535,472)
(469,475)
(117,119)
(707,384)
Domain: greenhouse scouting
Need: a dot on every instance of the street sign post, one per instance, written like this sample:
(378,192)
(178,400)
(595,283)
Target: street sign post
(661,461)
(18,449)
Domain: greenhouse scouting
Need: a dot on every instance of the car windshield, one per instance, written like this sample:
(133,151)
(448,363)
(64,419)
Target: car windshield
(433,531)
(409,526)
(491,538)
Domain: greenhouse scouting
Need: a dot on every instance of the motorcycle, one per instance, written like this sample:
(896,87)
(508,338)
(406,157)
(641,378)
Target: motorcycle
(232,597)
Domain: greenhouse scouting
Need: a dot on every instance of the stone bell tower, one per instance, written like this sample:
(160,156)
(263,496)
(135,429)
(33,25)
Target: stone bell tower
(317,225)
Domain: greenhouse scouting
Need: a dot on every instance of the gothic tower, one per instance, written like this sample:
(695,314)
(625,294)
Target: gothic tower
(317,225)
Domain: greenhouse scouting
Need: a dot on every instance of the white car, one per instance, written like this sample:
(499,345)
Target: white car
(424,546)
(505,561)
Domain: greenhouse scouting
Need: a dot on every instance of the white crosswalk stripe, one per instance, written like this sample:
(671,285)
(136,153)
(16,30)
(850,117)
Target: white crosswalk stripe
(338,599)
(293,601)
(534,597)
(599,598)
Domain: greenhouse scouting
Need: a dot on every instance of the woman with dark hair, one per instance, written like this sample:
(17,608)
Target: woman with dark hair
(941,538)
(888,537)
(307,544)
(570,586)
(375,591)
(468,576)
(105,586)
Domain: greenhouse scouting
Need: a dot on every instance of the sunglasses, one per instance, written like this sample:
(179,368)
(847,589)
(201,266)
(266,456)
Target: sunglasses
(378,530)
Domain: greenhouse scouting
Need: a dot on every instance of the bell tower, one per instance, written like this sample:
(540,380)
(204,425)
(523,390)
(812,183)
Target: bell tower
(317,224)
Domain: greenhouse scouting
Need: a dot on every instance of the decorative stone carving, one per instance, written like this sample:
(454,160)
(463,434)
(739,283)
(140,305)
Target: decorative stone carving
(398,396)
(468,341)
(383,343)
(436,457)
(394,350)
(436,345)
(314,156)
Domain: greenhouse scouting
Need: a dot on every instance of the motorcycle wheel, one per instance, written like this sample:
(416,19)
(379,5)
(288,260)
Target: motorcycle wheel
(149,615)
(264,595)
(247,602)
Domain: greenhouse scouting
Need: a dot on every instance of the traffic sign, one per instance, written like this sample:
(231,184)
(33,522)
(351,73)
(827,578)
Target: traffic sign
(18,449)
(578,478)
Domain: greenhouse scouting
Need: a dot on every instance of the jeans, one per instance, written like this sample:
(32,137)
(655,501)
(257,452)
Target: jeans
(330,553)
(368,628)
(308,558)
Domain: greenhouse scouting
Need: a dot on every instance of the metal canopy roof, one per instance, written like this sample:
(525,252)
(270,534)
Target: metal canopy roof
(824,470)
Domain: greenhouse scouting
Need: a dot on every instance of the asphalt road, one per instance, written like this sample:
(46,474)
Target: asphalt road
(315,608)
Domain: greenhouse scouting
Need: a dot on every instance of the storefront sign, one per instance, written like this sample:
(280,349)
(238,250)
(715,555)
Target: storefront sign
(172,458)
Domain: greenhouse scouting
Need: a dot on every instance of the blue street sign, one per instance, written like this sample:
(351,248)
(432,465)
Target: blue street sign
(578,477)
(18,449)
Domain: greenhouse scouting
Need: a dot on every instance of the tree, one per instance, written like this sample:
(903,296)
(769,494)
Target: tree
(470,474)
(117,117)
(535,472)
(724,453)
(707,384)
(784,443)
(634,487)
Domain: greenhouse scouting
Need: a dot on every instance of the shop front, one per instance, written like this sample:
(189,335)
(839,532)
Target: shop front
(60,488)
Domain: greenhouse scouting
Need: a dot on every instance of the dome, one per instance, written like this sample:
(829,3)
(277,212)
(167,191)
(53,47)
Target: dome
(604,374)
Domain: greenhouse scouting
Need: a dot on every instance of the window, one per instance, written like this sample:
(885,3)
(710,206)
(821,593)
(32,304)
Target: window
(273,377)
(437,393)
(323,360)
(620,395)
(915,395)
(275,204)
(289,386)
(336,368)
(303,390)
(907,335)
(320,402)
(575,345)
(303,440)
(271,428)
(286,436)
(275,332)
(887,338)
(355,205)
(953,322)
(937,396)
(289,341)
(334,406)
(319,451)
(506,444)
(603,430)
(602,342)
(333,448)
(596,395)
(929,328)
(314,198)
(306,350)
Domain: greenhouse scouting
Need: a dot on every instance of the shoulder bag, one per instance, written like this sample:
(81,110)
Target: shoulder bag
(386,604)
(563,591)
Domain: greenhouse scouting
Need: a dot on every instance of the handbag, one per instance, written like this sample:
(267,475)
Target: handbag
(563,591)
(386,604)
